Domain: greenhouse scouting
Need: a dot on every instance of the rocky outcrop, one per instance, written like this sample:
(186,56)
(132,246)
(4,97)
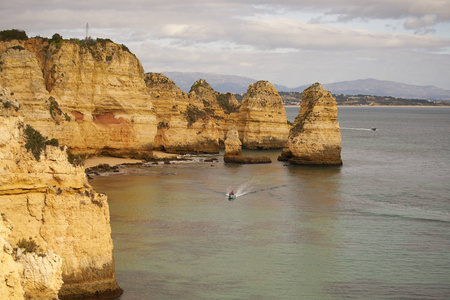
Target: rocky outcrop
(315,138)
(262,121)
(27,273)
(221,110)
(233,151)
(42,273)
(233,145)
(10,270)
(200,120)
(51,201)
(183,124)
(91,97)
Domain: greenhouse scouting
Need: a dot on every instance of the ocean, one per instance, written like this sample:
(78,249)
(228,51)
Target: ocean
(377,227)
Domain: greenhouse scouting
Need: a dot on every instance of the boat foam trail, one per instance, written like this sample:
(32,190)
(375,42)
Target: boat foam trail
(363,129)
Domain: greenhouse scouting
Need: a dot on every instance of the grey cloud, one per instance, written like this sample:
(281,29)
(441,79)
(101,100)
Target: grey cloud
(263,39)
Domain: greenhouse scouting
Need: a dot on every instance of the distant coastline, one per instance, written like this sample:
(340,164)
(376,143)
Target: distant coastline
(438,106)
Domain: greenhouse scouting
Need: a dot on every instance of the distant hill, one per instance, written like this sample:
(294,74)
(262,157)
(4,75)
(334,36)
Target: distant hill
(238,84)
(221,83)
(376,87)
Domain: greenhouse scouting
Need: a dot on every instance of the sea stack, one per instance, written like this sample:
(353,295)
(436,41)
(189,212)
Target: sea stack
(233,145)
(315,138)
(262,118)
(233,152)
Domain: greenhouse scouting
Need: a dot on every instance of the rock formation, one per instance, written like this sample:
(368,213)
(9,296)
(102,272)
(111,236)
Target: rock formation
(91,97)
(262,122)
(233,145)
(315,138)
(184,126)
(10,270)
(209,105)
(50,200)
(233,151)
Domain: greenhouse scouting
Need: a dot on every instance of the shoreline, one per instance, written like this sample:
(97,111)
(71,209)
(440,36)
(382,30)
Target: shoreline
(109,160)
(436,106)
(116,161)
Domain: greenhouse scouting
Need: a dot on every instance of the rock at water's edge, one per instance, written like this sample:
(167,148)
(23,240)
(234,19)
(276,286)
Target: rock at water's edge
(315,138)
(50,199)
(233,145)
(247,160)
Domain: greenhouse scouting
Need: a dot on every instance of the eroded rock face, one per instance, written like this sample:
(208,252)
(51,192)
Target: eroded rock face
(262,122)
(27,275)
(89,98)
(10,270)
(183,124)
(96,100)
(42,274)
(233,146)
(51,201)
(315,138)
(200,120)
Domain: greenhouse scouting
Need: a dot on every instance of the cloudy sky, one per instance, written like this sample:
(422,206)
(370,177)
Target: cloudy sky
(289,42)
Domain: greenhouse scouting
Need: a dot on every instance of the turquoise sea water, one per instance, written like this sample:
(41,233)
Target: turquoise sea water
(376,228)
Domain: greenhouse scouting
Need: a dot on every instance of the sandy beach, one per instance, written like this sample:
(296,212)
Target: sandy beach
(114,161)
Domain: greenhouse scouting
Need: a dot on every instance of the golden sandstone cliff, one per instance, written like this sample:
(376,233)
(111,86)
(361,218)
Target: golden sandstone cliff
(48,200)
(91,97)
(315,138)
(95,98)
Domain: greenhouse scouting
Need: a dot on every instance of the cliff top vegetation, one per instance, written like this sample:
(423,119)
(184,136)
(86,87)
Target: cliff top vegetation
(57,39)
(13,34)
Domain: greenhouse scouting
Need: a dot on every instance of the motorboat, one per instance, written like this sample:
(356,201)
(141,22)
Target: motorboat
(231,196)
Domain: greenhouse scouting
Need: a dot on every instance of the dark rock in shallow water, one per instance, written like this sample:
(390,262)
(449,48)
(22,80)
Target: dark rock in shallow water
(247,160)
(306,162)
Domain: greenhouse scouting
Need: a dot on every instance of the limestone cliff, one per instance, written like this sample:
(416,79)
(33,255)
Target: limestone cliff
(10,270)
(183,124)
(262,121)
(51,201)
(93,97)
(200,120)
(315,138)
(90,96)
(220,110)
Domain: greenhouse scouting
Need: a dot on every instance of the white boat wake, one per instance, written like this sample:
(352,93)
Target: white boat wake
(243,189)
(363,129)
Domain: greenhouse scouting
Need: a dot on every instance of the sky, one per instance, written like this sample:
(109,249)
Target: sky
(288,42)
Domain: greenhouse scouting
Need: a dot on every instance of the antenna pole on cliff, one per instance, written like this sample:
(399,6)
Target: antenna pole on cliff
(87,29)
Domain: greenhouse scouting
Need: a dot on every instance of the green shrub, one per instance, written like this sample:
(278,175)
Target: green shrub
(29,245)
(13,34)
(35,142)
(193,113)
(125,48)
(67,117)
(20,48)
(54,108)
(57,40)
(224,103)
(163,125)
(52,142)
(7,104)
(56,37)
(75,160)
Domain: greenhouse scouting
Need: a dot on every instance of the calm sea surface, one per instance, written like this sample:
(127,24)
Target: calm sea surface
(376,228)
